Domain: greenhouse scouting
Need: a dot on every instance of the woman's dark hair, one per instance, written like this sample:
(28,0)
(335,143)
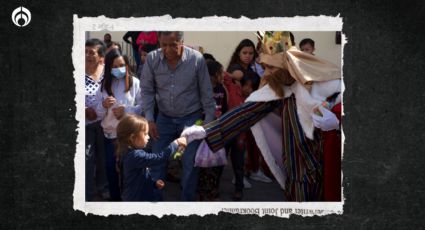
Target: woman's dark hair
(107,80)
(98,43)
(129,68)
(214,67)
(235,56)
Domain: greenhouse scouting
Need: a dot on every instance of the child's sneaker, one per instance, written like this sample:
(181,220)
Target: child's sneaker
(259,176)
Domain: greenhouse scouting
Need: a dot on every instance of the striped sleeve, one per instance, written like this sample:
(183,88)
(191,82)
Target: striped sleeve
(238,120)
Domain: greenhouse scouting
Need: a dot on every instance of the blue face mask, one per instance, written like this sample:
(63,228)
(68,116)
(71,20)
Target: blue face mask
(118,72)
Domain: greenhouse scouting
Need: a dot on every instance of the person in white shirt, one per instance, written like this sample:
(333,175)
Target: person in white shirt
(118,95)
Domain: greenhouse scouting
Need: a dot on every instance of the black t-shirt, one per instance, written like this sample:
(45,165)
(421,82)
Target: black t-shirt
(133,35)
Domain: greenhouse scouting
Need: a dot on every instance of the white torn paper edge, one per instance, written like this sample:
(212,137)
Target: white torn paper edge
(213,23)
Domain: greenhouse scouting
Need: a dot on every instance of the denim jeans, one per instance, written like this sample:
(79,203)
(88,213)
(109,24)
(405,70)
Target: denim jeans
(170,128)
(95,161)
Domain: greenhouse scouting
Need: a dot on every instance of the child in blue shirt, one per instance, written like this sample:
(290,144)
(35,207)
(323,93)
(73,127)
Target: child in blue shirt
(132,137)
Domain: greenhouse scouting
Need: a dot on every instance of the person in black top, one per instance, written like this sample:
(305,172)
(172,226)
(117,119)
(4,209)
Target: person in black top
(133,35)
(241,60)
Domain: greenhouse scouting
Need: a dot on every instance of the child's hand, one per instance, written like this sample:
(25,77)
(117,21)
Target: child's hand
(181,142)
(159,184)
(178,154)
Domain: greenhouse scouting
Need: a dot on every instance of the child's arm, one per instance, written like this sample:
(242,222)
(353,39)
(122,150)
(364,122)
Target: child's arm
(236,74)
(143,158)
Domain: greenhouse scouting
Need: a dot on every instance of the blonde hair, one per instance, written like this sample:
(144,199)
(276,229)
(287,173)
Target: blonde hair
(277,80)
(129,125)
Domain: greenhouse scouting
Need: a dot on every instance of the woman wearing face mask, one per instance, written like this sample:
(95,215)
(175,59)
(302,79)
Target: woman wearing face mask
(118,95)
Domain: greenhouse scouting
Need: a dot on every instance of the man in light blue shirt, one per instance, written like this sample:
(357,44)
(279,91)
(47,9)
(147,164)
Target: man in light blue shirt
(176,78)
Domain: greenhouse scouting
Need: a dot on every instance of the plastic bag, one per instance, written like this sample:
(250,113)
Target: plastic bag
(110,123)
(205,158)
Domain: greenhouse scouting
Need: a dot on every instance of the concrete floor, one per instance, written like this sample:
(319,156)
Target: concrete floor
(259,192)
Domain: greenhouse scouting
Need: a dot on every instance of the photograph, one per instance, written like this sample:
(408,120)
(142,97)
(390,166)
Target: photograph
(220,118)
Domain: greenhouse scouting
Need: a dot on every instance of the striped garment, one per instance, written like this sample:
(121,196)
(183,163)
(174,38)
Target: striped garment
(302,157)
(238,120)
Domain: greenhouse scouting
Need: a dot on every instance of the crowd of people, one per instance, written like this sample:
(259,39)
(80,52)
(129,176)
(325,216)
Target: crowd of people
(274,111)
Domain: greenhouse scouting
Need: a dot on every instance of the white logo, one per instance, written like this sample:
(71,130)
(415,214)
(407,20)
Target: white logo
(21,16)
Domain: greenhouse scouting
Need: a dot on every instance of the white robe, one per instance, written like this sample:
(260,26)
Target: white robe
(268,131)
